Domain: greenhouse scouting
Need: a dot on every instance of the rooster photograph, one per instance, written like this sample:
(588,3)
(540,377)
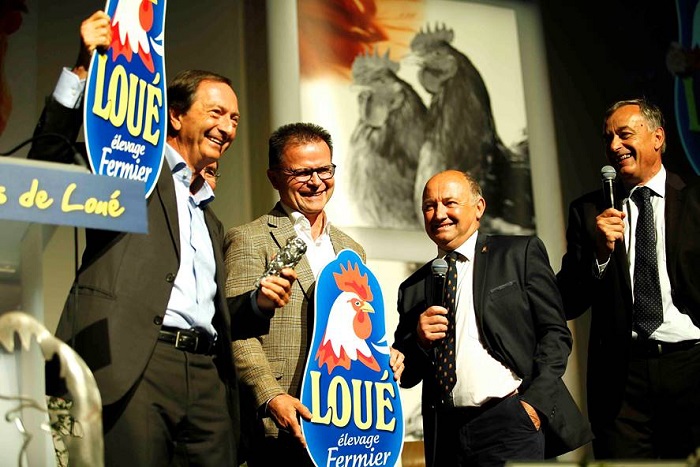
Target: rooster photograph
(460,131)
(131,31)
(433,86)
(349,323)
(384,146)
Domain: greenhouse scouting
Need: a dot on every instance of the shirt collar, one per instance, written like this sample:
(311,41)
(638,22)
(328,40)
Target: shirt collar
(299,219)
(465,250)
(657,184)
(183,174)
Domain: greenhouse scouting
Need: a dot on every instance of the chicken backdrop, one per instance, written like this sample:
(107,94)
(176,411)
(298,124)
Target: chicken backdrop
(125,98)
(357,417)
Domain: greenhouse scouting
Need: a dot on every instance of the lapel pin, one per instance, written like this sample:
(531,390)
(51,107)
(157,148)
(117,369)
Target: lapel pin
(485,249)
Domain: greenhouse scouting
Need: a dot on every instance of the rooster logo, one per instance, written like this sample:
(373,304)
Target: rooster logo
(349,323)
(133,20)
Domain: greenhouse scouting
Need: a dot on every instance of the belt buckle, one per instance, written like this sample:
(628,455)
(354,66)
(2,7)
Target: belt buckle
(659,348)
(181,344)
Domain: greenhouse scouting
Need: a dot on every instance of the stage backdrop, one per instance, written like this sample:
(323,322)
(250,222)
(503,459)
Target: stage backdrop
(409,88)
(362,68)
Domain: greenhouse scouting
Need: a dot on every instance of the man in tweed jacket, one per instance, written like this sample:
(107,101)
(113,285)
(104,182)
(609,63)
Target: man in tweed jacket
(271,364)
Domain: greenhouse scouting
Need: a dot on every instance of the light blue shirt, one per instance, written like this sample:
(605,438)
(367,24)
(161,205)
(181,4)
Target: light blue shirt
(191,304)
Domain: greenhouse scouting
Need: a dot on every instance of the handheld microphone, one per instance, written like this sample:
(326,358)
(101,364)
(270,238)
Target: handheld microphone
(608,175)
(439,269)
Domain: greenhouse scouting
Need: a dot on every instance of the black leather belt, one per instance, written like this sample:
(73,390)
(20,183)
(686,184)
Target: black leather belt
(187,340)
(652,348)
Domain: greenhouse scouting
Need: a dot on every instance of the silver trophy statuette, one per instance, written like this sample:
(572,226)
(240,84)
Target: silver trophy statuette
(288,257)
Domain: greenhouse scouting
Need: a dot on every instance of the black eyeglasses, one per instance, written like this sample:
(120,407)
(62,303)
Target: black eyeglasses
(305,174)
(211,173)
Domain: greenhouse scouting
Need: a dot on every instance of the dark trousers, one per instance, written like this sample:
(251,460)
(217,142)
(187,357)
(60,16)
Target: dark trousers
(660,413)
(178,405)
(503,432)
(284,450)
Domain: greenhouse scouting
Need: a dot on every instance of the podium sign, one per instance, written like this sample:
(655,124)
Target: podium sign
(348,383)
(49,193)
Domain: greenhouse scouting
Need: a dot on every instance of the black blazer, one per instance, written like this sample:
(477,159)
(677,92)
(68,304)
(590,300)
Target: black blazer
(521,320)
(610,297)
(117,303)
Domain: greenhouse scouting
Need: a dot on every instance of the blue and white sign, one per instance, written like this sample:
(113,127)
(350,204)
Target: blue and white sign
(682,61)
(348,384)
(125,98)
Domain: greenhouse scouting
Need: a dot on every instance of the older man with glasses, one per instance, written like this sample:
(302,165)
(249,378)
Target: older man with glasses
(271,365)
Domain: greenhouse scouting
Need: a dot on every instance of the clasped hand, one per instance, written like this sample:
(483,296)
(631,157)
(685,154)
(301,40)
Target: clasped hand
(610,227)
(432,326)
(276,291)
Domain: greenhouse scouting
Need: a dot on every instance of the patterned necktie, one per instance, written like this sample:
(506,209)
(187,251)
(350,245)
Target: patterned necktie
(445,349)
(648,311)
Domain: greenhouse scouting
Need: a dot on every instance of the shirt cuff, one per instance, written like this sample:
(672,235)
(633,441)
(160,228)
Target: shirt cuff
(256,308)
(69,89)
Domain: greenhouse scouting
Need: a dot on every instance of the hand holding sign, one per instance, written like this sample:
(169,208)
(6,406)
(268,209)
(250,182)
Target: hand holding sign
(356,413)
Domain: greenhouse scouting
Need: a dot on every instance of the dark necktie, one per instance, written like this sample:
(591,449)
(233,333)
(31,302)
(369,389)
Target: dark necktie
(648,311)
(445,349)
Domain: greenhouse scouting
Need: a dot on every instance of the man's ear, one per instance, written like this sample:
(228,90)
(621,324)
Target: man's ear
(480,208)
(659,138)
(272,176)
(174,117)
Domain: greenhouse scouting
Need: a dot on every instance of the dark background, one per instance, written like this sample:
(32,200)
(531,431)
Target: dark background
(600,52)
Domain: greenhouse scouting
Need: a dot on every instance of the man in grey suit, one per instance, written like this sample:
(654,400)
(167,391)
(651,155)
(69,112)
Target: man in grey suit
(147,312)
(492,366)
(271,364)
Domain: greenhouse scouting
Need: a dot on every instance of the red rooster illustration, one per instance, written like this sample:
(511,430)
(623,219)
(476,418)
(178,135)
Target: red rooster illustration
(349,323)
(133,19)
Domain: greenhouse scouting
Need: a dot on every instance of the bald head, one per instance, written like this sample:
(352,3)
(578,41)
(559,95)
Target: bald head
(452,208)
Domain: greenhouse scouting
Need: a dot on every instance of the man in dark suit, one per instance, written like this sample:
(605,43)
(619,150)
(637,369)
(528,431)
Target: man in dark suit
(506,400)
(148,312)
(643,379)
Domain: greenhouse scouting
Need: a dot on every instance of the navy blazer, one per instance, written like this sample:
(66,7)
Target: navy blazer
(521,320)
(610,297)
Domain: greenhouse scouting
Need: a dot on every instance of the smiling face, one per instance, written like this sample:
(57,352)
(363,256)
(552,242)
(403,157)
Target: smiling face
(309,197)
(205,130)
(632,146)
(451,210)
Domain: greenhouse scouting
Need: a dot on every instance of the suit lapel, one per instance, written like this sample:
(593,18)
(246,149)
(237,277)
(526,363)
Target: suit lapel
(619,254)
(673,205)
(481,260)
(281,229)
(337,241)
(165,194)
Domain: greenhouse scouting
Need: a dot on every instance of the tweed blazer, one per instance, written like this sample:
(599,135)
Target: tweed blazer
(272,362)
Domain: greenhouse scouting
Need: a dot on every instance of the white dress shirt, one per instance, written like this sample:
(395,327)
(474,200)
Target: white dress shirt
(480,377)
(676,326)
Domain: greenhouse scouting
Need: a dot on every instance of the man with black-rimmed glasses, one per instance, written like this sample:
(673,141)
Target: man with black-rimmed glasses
(271,365)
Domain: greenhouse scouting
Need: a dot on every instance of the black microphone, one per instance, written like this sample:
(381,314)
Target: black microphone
(77,157)
(608,175)
(439,269)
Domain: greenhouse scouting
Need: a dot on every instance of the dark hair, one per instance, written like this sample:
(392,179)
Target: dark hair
(295,134)
(651,113)
(183,88)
